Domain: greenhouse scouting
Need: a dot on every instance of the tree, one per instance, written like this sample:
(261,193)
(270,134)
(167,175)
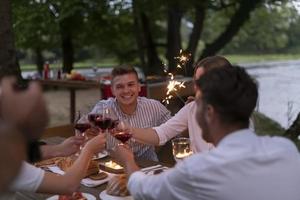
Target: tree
(272,36)
(30,32)
(8,60)
(176,10)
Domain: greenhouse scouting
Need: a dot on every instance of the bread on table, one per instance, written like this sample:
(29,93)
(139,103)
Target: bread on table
(65,163)
(117,186)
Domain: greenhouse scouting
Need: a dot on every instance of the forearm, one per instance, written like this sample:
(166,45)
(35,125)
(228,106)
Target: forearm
(69,182)
(145,135)
(50,151)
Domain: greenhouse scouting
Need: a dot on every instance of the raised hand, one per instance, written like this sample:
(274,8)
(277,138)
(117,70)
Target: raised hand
(26,109)
(96,144)
(71,145)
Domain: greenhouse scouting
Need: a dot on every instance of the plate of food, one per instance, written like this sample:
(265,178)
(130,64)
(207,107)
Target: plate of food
(74,196)
(111,166)
(116,189)
(104,196)
(100,155)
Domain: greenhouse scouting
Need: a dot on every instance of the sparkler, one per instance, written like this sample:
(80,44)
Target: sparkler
(174,85)
(183,58)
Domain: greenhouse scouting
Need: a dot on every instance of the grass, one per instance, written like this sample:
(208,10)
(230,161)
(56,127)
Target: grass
(261,58)
(266,126)
(77,65)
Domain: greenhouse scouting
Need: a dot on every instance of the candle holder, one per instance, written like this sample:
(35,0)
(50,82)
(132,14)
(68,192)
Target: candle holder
(181,148)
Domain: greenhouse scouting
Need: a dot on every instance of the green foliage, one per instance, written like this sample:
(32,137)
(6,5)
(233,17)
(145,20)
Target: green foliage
(266,126)
(29,31)
(108,29)
(266,32)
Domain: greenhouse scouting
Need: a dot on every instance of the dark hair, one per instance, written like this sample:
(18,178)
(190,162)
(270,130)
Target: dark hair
(212,62)
(231,91)
(122,70)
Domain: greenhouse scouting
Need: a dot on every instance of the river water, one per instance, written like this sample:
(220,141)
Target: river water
(279,89)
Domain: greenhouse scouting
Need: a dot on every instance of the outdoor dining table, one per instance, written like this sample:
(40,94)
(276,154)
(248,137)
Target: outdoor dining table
(95,191)
(72,86)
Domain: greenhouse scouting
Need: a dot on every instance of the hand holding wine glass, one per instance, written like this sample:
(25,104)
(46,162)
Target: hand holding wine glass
(122,131)
(81,125)
(107,120)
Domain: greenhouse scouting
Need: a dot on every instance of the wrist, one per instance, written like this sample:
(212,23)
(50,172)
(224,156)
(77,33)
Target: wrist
(86,150)
(130,166)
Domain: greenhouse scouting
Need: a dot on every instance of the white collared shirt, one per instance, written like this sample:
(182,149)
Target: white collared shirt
(243,166)
(183,120)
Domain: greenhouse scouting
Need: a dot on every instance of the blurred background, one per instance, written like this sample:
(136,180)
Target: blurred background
(90,35)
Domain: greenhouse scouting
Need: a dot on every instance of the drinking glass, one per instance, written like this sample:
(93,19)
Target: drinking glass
(181,148)
(107,120)
(81,124)
(121,132)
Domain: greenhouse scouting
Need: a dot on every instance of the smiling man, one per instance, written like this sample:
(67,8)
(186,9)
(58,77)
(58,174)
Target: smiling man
(137,111)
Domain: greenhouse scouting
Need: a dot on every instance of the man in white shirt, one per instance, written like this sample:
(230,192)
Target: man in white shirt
(242,166)
(184,118)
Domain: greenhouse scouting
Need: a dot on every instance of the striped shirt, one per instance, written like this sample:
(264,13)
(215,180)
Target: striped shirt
(148,113)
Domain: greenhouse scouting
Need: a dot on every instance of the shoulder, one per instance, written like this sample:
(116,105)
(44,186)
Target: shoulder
(281,143)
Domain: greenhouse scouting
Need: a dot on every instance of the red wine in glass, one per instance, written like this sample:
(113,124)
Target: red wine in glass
(93,118)
(104,123)
(82,127)
(123,136)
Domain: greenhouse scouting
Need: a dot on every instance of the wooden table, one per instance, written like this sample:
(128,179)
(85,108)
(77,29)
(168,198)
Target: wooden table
(94,191)
(72,86)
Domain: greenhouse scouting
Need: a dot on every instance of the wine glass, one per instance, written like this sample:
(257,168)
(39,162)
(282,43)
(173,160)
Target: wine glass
(81,124)
(181,148)
(92,117)
(122,132)
(107,120)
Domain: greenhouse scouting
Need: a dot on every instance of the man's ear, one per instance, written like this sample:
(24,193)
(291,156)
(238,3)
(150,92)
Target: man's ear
(210,113)
(139,87)
(112,89)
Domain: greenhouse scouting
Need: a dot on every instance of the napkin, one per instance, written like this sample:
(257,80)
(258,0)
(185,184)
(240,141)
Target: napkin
(86,181)
(152,169)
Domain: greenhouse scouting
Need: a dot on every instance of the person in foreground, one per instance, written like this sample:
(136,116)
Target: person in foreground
(137,111)
(24,114)
(241,166)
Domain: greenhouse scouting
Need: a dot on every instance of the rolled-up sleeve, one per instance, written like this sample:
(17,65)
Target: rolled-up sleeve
(174,126)
(28,179)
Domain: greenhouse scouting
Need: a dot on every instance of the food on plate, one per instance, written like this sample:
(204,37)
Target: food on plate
(74,196)
(67,162)
(99,176)
(117,186)
(74,75)
(51,161)
(111,166)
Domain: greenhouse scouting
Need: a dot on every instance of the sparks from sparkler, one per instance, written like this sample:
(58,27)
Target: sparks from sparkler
(182,58)
(174,85)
